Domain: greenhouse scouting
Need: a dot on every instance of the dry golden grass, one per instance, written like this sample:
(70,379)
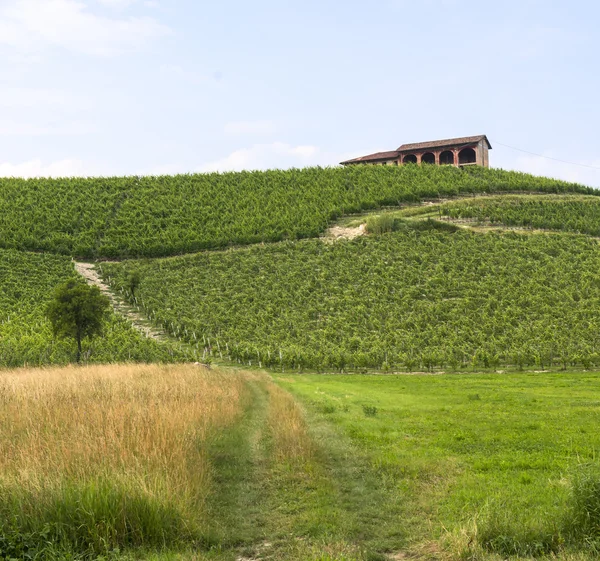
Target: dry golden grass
(130,419)
(143,429)
(288,426)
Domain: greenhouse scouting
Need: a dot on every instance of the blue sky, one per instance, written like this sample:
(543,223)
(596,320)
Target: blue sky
(103,87)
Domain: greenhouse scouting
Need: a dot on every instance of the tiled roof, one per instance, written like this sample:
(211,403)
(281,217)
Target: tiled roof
(442,143)
(373,157)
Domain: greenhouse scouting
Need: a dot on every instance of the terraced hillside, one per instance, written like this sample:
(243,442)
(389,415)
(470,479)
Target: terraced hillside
(413,295)
(579,214)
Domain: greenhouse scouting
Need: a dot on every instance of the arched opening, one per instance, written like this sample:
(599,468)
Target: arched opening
(467,156)
(409,159)
(428,158)
(447,158)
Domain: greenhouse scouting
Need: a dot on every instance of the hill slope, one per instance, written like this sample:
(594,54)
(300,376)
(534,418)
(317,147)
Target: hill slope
(415,299)
(160,216)
(27,281)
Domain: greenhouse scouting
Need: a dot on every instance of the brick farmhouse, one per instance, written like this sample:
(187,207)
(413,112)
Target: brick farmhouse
(458,152)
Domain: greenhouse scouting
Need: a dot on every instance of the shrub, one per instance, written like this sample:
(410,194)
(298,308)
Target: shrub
(369,410)
(380,224)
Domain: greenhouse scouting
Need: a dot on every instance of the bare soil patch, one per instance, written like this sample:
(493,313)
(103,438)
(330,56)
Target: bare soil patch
(345,233)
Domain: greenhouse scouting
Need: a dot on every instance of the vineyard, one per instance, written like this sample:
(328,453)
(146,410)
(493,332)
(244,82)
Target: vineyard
(417,299)
(27,282)
(161,216)
(569,213)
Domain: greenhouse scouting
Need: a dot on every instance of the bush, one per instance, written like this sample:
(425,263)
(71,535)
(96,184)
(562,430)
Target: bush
(380,224)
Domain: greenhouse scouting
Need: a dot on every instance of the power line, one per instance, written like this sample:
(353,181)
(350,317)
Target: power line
(548,157)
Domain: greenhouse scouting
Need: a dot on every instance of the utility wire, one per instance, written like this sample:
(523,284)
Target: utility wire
(547,157)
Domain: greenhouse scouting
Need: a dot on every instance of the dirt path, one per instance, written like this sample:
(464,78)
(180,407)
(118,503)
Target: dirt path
(139,322)
(346,233)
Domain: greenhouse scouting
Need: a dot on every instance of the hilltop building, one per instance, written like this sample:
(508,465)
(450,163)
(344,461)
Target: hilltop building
(458,152)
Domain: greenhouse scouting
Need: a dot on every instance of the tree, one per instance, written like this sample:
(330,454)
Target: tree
(133,281)
(77,310)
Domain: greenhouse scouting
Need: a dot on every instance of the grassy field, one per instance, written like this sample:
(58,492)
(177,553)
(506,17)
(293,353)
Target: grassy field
(178,463)
(484,466)
(162,462)
(102,458)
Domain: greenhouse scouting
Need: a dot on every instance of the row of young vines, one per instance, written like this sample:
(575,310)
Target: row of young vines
(579,214)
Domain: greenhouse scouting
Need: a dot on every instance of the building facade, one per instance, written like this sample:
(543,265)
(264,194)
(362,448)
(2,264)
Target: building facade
(458,152)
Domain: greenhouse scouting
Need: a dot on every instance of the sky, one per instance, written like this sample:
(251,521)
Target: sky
(132,87)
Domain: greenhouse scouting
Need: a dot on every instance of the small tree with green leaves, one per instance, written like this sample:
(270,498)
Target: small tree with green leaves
(78,311)
(133,281)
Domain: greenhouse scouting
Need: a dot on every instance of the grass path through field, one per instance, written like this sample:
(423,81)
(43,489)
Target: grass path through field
(476,466)
(239,463)
(287,485)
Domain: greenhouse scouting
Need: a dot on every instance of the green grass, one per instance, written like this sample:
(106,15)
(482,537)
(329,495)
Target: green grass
(98,517)
(344,468)
(513,471)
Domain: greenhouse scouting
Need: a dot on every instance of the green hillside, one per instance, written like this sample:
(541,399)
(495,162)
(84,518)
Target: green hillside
(160,216)
(27,281)
(428,296)
(412,300)
(571,213)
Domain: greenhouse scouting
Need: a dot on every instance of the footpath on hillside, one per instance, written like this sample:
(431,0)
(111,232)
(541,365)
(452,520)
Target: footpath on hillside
(138,321)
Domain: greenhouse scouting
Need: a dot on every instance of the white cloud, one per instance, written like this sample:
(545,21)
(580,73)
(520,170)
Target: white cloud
(29,111)
(35,25)
(36,168)
(164,169)
(277,155)
(121,4)
(250,127)
(117,3)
